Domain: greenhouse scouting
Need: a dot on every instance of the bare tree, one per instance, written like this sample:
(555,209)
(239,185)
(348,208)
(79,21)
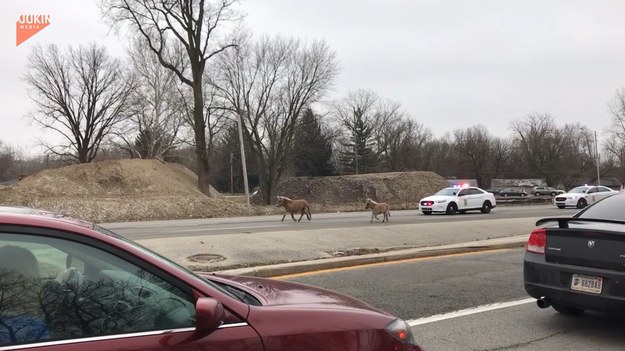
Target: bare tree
(217,114)
(543,147)
(9,160)
(419,150)
(365,102)
(394,138)
(473,146)
(81,94)
(195,26)
(439,155)
(156,111)
(615,147)
(500,154)
(268,85)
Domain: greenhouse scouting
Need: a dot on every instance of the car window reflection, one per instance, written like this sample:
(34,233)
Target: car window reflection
(43,300)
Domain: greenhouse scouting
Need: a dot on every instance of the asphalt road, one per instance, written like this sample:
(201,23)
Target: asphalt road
(462,302)
(523,328)
(249,225)
(425,287)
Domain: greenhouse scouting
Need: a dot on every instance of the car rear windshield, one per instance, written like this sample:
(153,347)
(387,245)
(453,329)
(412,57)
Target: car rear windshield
(579,190)
(608,208)
(448,192)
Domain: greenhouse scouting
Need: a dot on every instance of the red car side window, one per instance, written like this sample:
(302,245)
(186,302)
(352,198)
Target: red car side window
(100,294)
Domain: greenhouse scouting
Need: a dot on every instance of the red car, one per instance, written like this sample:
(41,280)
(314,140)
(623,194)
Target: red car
(70,285)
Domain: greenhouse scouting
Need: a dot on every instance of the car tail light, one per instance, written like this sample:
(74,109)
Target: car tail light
(537,241)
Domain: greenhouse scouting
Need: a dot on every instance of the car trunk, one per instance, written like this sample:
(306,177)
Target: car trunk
(594,248)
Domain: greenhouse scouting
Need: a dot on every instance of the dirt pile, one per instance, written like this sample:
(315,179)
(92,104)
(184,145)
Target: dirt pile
(139,190)
(401,189)
(120,190)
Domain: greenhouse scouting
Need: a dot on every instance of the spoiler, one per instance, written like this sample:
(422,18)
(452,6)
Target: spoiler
(563,222)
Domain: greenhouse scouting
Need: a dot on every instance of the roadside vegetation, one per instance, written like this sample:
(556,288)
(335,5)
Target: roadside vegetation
(198,89)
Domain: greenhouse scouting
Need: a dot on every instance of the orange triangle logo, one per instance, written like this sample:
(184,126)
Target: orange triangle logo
(29,25)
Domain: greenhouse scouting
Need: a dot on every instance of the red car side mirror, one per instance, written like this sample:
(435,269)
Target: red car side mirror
(209,315)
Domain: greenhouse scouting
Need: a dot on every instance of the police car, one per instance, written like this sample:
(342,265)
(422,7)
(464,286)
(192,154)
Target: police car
(583,196)
(458,199)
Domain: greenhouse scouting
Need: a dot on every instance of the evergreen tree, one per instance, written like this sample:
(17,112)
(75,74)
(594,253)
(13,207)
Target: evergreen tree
(312,148)
(358,154)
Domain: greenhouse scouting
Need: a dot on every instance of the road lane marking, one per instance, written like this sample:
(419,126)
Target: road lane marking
(229,228)
(385,263)
(468,311)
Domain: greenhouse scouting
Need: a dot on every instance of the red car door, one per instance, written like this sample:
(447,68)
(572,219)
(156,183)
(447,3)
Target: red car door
(227,338)
(87,296)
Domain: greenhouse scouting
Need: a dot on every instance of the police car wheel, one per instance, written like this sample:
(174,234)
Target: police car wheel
(486,207)
(452,208)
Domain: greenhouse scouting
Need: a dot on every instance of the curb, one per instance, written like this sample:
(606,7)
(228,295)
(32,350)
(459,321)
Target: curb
(343,262)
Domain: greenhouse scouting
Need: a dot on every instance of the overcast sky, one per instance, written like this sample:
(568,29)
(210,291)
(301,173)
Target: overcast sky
(451,64)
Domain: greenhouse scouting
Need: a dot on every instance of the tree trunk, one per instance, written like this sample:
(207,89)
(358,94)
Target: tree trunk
(82,155)
(267,179)
(203,166)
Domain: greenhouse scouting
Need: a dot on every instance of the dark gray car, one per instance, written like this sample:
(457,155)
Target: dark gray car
(577,264)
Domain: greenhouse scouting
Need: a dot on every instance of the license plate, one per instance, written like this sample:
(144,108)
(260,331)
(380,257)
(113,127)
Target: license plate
(586,283)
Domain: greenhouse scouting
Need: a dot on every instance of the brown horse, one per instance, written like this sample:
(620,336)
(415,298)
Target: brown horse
(378,208)
(294,206)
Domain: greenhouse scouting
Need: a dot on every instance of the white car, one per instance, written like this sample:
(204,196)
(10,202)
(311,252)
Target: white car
(583,196)
(452,200)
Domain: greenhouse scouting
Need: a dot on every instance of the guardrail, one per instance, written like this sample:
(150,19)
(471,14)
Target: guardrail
(525,200)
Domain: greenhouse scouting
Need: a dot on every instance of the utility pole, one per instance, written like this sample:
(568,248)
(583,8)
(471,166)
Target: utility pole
(356,152)
(597,158)
(231,174)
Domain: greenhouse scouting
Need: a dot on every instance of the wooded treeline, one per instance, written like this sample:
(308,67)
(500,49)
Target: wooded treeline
(191,74)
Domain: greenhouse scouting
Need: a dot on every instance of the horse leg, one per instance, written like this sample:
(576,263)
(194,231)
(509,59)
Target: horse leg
(283,217)
(371,221)
(293,217)
(301,215)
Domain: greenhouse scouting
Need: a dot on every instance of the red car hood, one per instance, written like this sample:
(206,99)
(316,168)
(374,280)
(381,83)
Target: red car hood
(273,292)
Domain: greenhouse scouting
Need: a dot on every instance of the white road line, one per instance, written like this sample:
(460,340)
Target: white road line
(468,311)
(226,228)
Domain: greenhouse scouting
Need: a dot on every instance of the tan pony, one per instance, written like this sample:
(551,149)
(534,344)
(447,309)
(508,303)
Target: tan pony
(378,208)
(294,206)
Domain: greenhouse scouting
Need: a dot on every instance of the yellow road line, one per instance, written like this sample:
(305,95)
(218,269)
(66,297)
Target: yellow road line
(379,264)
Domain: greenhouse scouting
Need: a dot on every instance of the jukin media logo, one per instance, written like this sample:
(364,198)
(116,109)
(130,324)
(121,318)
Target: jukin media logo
(29,25)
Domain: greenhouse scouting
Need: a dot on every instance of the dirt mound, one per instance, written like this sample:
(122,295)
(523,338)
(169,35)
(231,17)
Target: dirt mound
(401,189)
(137,190)
(120,190)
